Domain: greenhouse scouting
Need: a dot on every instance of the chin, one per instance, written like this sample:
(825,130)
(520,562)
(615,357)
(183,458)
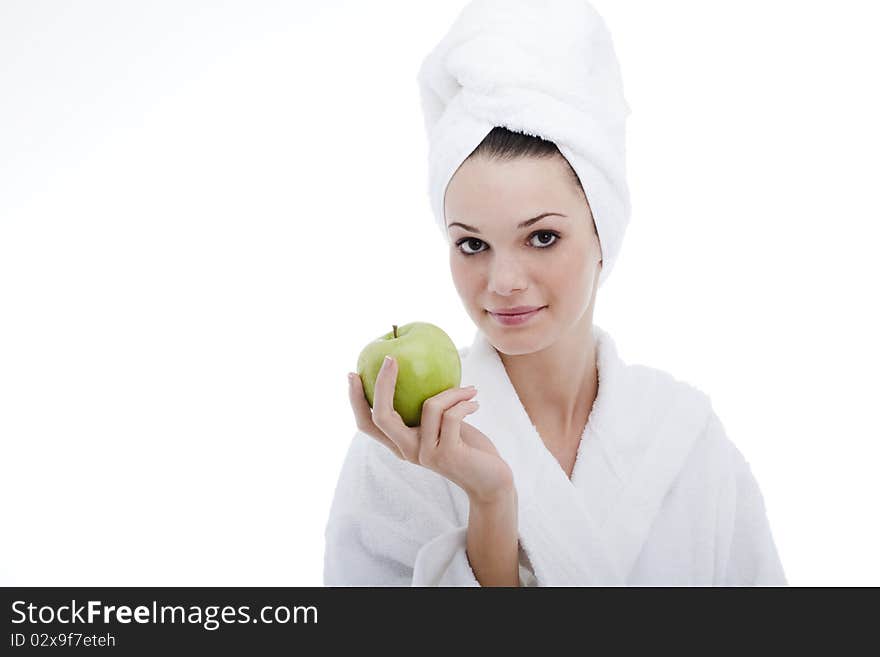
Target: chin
(512,341)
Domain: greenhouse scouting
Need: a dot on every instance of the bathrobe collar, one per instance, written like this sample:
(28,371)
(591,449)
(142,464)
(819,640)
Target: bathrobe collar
(589,530)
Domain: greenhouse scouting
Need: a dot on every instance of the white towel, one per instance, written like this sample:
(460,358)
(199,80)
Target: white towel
(541,67)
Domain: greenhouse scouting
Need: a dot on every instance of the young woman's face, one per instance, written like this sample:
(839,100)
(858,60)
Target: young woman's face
(552,263)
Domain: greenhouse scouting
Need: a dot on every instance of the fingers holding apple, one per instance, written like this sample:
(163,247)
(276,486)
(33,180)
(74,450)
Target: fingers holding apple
(364,415)
(413,406)
(434,412)
(450,424)
(427,362)
(443,452)
(414,444)
(457,450)
(386,417)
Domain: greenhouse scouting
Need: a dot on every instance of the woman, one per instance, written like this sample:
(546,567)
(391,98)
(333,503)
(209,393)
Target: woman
(577,468)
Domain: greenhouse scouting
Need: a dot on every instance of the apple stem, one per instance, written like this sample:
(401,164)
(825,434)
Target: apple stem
(394,326)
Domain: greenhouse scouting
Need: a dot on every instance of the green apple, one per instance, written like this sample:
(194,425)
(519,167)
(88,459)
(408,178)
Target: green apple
(427,364)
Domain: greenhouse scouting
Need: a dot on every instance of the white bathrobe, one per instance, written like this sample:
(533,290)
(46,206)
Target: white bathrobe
(659,495)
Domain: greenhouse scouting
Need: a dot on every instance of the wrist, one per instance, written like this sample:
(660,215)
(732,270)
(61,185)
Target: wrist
(490,500)
(493,539)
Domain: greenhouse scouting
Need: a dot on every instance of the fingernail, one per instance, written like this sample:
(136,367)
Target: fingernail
(388,361)
(350,378)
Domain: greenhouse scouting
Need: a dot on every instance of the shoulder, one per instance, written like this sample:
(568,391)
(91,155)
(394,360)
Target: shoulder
(714,453)
(658,398)
(658,384)
(655,379)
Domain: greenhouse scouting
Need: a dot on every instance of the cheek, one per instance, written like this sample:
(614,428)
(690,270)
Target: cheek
(463,277)
(569,278)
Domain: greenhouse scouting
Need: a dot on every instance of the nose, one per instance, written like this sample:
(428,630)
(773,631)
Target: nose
(506,276)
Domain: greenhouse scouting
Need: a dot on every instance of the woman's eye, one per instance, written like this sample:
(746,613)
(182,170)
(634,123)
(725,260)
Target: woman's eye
(546,239)
(468,241)
(546,234)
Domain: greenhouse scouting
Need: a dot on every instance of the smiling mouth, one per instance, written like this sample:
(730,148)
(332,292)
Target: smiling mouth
(515,319)
(514,314)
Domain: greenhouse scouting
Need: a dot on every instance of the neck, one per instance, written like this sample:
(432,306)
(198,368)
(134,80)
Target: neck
(558,385)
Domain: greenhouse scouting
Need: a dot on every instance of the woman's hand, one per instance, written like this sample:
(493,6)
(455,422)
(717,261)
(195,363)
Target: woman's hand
(443,442)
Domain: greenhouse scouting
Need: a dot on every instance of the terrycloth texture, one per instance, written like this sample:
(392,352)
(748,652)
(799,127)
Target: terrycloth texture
(542,67)
(658,495)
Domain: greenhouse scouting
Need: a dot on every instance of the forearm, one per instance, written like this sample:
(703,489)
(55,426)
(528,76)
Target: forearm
(493,541)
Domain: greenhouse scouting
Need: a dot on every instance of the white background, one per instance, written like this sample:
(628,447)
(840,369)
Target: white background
(208,209)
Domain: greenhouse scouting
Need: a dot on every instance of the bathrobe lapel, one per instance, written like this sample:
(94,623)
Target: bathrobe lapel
(589,530)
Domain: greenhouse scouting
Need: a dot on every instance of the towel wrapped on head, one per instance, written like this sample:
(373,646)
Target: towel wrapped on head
(545,68)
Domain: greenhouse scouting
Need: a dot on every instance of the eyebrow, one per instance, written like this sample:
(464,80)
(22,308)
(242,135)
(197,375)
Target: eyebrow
(524,224)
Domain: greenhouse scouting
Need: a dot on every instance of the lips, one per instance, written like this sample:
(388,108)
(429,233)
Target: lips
(516,319)
(516,310)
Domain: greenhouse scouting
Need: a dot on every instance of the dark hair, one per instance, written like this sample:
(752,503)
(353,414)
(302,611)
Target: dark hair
(504,144)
